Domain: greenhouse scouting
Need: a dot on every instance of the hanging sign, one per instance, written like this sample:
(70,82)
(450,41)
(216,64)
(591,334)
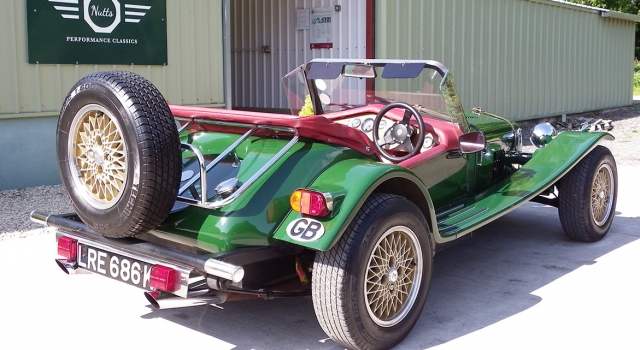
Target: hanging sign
(321,28)
(97,32)
(302,19)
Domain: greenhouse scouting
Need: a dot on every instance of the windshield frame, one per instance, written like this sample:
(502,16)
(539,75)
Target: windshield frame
(330,70)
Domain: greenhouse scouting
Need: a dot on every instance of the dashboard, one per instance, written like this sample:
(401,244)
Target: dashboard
(365,124)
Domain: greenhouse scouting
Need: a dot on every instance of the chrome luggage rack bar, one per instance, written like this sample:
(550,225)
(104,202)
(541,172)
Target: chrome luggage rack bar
(204,168)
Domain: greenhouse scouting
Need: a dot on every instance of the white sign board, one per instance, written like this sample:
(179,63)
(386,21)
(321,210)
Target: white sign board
(321,28)
(302,19)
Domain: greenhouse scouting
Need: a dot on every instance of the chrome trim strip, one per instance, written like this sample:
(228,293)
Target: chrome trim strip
(466,210)
(449,227)
(328,199)
(449,210)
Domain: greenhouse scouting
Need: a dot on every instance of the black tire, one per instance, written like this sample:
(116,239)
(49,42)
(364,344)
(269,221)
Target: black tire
(118,153)
(346,310)
(588,195)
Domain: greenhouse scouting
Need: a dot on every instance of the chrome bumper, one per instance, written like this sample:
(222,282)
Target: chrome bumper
(140,250)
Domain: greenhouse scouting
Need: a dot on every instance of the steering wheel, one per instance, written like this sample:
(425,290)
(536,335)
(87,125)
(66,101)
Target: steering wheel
(400,132)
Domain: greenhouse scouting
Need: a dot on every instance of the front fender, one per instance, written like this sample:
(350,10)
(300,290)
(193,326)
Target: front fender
(563,153)
(546,167)
(350,182)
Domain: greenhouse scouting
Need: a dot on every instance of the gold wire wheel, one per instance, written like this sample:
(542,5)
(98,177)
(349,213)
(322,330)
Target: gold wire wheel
(393,276)
(98,151)
(602,195)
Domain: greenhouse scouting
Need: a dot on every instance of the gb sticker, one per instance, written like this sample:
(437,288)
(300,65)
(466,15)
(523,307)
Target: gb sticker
(305,230)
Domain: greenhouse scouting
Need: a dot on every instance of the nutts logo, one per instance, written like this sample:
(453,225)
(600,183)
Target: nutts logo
(97,32)
(103,16)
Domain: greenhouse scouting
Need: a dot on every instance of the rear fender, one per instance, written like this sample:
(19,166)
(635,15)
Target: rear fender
(350,183)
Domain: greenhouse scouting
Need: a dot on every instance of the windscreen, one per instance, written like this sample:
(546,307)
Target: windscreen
(418,86)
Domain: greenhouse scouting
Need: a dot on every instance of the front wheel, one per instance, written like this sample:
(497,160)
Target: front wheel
(369,290)
(588,196)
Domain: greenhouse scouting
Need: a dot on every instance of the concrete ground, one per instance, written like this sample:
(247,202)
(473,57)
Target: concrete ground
(517,284)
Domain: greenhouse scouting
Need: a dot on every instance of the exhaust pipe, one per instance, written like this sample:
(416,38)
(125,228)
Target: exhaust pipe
(162,300)
(70,268)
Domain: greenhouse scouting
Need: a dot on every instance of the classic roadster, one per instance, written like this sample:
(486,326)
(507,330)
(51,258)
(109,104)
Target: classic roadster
(347,199)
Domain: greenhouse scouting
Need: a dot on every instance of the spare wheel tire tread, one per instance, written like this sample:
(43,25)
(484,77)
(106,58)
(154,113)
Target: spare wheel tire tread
(157,147)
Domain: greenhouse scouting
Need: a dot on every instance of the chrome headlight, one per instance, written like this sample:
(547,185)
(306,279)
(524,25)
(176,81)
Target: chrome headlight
(542,134)
(513,140)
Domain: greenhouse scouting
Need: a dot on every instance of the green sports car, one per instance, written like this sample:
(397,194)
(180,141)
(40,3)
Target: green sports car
(347,198)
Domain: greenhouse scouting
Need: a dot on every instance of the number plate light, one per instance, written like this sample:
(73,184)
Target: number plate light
(68,248)
(311,202)
(164,278)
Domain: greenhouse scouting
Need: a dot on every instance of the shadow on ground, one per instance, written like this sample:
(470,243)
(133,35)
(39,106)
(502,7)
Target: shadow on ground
(475,284)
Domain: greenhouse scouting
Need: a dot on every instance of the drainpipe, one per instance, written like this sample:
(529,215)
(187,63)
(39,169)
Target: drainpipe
(226,44)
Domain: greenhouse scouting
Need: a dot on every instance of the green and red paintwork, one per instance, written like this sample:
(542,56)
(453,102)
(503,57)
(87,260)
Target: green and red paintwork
(456,194)
(378,160)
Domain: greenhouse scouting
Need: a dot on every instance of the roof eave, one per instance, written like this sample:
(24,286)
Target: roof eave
(596,10)
(624,16)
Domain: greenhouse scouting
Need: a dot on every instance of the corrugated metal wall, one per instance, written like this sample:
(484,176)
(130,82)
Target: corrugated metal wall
(520,59)
(194,74)
(31,95)
(256,75)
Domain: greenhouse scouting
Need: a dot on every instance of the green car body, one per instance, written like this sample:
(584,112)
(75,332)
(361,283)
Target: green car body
(351,177)
(347,199)
(262,214)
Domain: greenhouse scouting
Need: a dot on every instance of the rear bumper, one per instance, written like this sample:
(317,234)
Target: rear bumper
(147,252)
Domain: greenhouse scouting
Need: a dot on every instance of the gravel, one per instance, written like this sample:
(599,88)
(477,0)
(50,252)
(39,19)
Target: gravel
(626,130)
(16,205)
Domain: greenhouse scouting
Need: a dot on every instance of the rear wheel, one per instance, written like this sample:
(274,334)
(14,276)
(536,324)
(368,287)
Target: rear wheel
(118,153)
(369,290)
(588,196)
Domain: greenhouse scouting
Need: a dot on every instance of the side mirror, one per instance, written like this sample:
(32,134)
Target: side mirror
(472,142)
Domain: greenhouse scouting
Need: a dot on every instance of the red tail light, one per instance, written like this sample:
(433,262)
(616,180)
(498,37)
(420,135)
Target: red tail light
(68,248)
(311,202)
(164,278)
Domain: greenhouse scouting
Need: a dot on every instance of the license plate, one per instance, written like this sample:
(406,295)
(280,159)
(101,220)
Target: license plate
(124,269)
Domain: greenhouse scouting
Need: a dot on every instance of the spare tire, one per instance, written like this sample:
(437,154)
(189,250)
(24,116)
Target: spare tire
(118,153)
